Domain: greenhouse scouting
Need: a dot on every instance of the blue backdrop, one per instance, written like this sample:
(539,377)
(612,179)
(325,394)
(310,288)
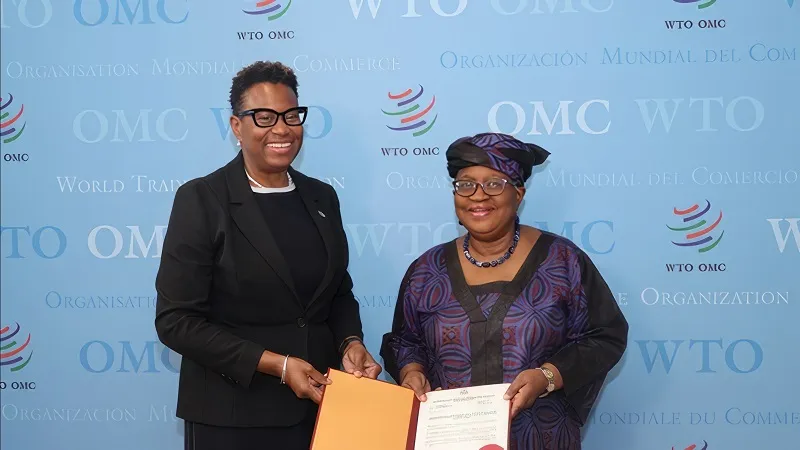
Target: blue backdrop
(670,122)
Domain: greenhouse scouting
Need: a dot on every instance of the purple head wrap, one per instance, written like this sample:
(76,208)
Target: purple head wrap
(497,151)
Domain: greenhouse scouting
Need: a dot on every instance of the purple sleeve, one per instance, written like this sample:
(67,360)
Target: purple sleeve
(404,344)
(597,334)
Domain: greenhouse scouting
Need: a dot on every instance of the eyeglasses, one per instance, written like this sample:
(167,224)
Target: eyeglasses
(265,117)
(468,188)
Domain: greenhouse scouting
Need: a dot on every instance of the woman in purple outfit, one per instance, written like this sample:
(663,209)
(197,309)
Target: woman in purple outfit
(507,303)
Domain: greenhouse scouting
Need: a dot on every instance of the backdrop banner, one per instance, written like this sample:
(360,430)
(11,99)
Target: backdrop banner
(674,165)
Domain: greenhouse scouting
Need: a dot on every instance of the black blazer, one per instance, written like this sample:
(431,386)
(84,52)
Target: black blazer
(225,294)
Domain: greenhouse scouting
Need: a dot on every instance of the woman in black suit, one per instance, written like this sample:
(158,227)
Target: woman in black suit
(253,288)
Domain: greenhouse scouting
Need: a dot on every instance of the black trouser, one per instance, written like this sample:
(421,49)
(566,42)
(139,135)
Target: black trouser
(198,436)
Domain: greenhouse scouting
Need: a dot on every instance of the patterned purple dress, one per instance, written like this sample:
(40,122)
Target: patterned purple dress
(558,309)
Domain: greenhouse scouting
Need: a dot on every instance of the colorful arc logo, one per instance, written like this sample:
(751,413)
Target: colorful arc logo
(702,3)
(10,126)
(698,233)
(13,350)
(694,447)
(274,8)
(411,117)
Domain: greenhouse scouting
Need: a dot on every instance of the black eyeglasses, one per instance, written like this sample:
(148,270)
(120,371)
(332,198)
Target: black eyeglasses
(492,187)
(265,117)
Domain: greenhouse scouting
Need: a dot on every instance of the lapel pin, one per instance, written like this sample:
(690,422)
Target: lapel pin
(321,214)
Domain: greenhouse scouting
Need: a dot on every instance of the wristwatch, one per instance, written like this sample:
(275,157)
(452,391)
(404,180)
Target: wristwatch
(551,381)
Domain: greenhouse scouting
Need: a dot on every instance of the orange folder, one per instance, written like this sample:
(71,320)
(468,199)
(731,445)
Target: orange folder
(357,413)
(360,413)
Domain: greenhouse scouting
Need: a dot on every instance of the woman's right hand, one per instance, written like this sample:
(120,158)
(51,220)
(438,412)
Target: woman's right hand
(417,382)
(304,380)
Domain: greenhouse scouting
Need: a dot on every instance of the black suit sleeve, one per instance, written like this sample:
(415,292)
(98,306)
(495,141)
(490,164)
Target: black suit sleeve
(183,283)
(345,317)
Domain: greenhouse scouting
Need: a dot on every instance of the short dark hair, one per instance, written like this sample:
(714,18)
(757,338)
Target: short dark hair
(260,72)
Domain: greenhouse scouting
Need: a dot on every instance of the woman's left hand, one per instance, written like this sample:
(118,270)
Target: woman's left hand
(359,362)
(525,389)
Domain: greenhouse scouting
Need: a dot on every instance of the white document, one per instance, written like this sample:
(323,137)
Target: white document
(473,418)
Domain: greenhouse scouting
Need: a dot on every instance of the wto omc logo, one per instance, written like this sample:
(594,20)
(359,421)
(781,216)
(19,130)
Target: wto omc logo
(274,9)
(14,352)
(702,4)
(703,23)
(411,117)
(699,228)
(11,127)
(694,446)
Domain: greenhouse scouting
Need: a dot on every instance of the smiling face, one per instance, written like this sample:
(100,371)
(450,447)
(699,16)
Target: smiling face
(270,149)
(483,214)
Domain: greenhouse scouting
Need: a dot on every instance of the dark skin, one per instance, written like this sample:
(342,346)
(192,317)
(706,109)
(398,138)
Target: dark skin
(490,222)
(264,161)
(268,153)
